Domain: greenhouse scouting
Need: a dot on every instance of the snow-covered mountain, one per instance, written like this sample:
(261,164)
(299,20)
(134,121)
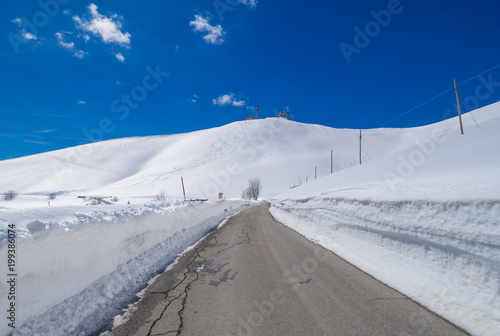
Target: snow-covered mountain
(280,152)
(210,161)
(420,213)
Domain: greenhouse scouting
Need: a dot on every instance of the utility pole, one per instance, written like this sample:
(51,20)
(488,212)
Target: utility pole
(360,137)
(332,160)
(183,190)
(458,106)
(256,112)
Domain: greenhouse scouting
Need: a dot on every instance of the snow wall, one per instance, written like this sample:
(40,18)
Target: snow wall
(444,255)
(70,277)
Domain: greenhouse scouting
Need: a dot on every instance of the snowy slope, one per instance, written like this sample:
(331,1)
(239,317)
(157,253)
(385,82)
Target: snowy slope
(211,161)
(424,220)
(438,199)
(436,163)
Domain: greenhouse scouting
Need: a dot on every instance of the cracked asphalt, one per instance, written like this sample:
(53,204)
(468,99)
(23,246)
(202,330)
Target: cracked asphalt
(257,277)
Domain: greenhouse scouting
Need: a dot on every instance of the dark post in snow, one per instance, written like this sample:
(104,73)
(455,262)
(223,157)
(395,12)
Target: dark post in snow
(183,190)
(332,160)
(360,137)
(458,106)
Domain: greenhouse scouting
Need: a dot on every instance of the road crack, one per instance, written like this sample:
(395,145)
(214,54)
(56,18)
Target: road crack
(171,317)
(189,277)
(386,299)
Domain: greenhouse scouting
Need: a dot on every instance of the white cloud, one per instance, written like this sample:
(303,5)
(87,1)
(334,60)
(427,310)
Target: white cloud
(194,98)
(25,34)
(61,42)
(47,130)
(84,36)
(228,99)
(70,46)
(28,36)
(36,142)
(251,3)
(79,54)
(81,102)
(120,57)
(107,28)
(239,103)
(17,21)
(66,11)
(215,33)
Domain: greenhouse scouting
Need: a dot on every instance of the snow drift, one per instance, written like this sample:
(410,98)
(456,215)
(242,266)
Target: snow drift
(424,220)
(73,282)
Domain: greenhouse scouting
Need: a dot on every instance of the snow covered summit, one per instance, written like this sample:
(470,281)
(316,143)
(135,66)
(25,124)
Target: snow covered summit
(417,208)
(281,153)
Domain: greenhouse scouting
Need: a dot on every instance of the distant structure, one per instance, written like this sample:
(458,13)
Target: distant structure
(256,114)
(284,115)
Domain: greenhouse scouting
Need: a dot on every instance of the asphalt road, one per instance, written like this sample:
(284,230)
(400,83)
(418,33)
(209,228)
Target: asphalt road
(258,277)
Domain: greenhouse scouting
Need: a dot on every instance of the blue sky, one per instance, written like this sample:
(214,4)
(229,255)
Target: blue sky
(80,71)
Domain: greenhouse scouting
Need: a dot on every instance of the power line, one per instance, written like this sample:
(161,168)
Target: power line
(482,73)
(441,94)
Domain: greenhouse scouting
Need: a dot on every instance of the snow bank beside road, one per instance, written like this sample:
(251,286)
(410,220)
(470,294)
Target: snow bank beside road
(74,280)
(444,255)
(424,220)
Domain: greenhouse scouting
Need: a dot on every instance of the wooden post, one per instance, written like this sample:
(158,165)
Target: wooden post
(458,106)
(332,160)
(360,137)
(183,190)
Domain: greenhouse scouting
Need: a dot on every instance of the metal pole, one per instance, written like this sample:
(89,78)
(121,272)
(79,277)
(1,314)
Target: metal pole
(360,137)
(458,106)
(183,190)
(332,159)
